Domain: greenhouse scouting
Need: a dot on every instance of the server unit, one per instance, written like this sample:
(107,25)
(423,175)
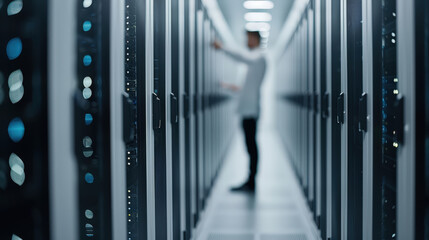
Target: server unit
(24,156)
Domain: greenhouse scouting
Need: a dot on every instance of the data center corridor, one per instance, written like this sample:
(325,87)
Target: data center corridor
(276,211)
(133,119)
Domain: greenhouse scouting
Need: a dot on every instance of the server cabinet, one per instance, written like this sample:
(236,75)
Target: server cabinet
(318,116)
(199,143)
(175,117)
(182,234)
(189,115)
(206,111)
(355,106)
(92,119)
(134,121)
(324,115)
(421,18)
(159,111)
(24,157)
(312,112)
(385,118)
(336,118)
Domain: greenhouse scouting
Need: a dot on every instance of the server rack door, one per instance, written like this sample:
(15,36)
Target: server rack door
(186,115)
(189,114)
(135,118)
(159,117)
(312,113)
(405,119)
(343,118)
(385,138)
(324,116)
(334,127)
(337,101)
(181,118)
(199,116)
(318,114)
(24,181)
(193,7)
(422,119)
(304,107)
(206,108)
(354,110)
(174,119)
(92,119)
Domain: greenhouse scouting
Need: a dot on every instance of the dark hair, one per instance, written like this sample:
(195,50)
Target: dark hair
(255,34)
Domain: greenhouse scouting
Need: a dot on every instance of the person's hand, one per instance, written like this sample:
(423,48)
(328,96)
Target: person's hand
(217,44)
(229,86)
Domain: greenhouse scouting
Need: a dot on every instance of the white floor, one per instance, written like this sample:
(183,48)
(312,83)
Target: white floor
(277,211)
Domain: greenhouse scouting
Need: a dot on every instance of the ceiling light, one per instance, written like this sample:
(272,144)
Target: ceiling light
(258,26)
(258,17)
(258,4)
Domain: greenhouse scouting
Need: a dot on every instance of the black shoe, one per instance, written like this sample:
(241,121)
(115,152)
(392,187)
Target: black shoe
(246,187)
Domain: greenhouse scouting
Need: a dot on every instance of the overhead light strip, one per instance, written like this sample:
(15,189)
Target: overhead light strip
(258,17)
(258,5)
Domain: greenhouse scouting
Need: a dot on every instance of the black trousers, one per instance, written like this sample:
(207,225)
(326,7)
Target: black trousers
(249,127)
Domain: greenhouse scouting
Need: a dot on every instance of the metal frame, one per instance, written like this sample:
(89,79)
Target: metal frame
(345,125)
(368,138)
(329,119)
(63,191)
(150,169)
(118,164)
(406,163)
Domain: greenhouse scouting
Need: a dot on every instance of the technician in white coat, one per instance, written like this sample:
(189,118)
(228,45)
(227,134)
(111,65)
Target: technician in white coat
(249,98)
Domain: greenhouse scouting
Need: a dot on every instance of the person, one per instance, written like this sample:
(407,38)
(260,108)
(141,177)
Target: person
(249,98)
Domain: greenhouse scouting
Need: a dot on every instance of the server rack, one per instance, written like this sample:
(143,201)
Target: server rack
(175,109)
(92,119)
(336,118)
(189,115)
(355,118)
(206,108)
(24,157)
(324,115)
(134,106)
(159,98)
(312,111)
(199,117)
(422,119)
(385,118)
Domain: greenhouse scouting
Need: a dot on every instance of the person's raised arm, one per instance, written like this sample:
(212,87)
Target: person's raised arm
(241,56)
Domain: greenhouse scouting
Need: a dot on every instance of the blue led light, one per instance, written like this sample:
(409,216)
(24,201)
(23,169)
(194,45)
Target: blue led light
(14,48)
(87,60)
(89,178)
(87,25)
(16,129)
(88,119)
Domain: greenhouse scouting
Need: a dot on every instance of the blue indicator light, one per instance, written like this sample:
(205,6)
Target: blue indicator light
(88,119)
(16,129)
(89,178)
(87,25)
(14,48)
(87,60)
